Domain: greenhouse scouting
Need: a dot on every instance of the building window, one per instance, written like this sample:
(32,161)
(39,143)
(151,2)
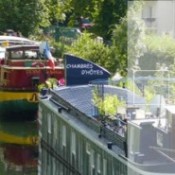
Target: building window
(64,135)
(104,167)
(147,12)
(88,148)
(54,167)
(160,139)
(73,143)
(98,163)
(40,114)
(150,12)
(55,129)
(49,123)
(92,162)
(55,132)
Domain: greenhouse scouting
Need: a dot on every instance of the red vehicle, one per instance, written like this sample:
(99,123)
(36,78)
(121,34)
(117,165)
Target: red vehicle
(85,23)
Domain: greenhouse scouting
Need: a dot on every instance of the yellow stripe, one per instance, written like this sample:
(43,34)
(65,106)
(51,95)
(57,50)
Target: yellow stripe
(8,138)
(30,96)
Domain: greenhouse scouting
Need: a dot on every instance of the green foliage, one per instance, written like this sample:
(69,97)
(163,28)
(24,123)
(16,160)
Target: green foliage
(94,50)
(119,44)
(111,105)
(103,13)
(50,83)
(41,86)
(81,7)
(149,93)
(159,49)
(162,45)
(133,87)
(60,49)
(27,16)
(107,105)
(128,38)
(109,14)
(136,33)
(162,49)
(84,8)
(57,10)
(24,16)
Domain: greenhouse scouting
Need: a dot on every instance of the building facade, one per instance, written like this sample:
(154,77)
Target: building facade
(67,148)
(74,142)
(159,16)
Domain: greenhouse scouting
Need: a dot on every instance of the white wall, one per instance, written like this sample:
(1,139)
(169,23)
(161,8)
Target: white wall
(164,12)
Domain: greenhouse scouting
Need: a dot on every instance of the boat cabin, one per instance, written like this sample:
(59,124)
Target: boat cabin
(21,55)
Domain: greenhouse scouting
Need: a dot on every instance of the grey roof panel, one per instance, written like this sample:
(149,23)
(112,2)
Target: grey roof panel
(81,96)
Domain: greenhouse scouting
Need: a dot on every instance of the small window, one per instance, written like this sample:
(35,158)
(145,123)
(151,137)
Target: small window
(88,148)
(98,163)
(49,124)
(5,75)
(73,143)
(64,135)
(160,139)
(55,129)
(54,167)
(92,161)
(16,54)
(40,113)
(104,167)
(29,54)
(150,12)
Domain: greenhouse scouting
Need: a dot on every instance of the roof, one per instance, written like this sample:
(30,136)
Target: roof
(170,108)
(16,40)
(81,96)
(22,47)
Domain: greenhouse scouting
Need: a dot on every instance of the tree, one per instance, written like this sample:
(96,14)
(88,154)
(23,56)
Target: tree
(107,105)
(119,45)
(159,56)
(109,14)
(94,50)
(135,35)
(159,49)
(128,38)
(83,8)
(103,13)
(24,16)
(57,10)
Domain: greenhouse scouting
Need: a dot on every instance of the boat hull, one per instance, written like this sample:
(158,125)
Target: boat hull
(22,72)
(18,105)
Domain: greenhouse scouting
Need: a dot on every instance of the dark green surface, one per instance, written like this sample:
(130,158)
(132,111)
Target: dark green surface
(23,129)
(18,110)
